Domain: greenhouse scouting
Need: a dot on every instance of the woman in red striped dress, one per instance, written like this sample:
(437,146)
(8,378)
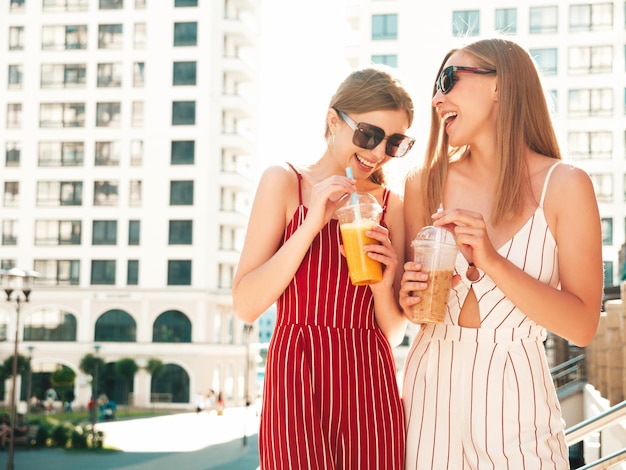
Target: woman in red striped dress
(331,399)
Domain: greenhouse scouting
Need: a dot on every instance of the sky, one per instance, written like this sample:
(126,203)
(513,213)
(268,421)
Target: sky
(302,63)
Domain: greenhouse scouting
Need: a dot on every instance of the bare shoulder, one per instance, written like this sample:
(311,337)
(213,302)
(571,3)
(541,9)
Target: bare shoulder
(570,192)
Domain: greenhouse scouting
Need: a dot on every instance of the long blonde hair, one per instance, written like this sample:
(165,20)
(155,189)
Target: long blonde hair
(523,122)
(376,87)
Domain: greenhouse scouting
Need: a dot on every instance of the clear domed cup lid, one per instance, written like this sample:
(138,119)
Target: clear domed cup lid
(435,235)
(360,199)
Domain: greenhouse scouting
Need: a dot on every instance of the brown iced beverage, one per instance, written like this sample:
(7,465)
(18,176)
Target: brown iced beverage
(434,304)
(435,250)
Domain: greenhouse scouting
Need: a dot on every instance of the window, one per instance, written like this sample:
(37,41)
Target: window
(110,75)
(185,34)
(135,197)
(590,145)
(139,37)
(57,272)
(184,73)
(139,77)
(607,230)
(63,75)
(590,59)
(608,273)
(14,115)
(231,238)
(59,38)
(61,153)
(506,20)
(603,186)
(386,59)
(134,227)
(12,154)
(110,36)
(50,325)
(465,23)
(102,272)
(105,193)
(384,27)
(17,6)
(186,3)
(108,153)
(183,152)
(132,272)
(111,4)
(140,4)
(15,77)
(104,232)
(180,232)
(58,232)
(179,273)
(543,20)
(11,194)
(587,103)
(226,274)
(59,193)
(546,60)
(136,152)
(61,115)
(65,5)
(181,193)
(137,116)
(16,38)
(183,113)
(172,326)
(591,17)
(115,325)
(108,114)
(9,232)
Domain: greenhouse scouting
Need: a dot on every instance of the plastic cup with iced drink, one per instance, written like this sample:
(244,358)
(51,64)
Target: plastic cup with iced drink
(436,250)
(358,213)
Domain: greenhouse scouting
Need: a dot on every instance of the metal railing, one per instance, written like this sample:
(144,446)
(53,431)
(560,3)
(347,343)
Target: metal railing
(578,432)
(569,372)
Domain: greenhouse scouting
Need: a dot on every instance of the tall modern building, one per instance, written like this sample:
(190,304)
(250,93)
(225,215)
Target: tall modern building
(580,47)
(127,129)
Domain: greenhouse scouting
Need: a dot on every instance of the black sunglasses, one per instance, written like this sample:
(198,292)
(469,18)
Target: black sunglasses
(447,79)
(368,136)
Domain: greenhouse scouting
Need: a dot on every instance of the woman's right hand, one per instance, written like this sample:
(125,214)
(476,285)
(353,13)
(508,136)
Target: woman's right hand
(325,197)
(413,280)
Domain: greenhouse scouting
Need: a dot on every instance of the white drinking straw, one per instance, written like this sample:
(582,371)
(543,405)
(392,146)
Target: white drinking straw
(354,197)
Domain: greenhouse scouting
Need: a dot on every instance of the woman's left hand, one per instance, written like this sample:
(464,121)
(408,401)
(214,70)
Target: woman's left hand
(384,253)
(470,232)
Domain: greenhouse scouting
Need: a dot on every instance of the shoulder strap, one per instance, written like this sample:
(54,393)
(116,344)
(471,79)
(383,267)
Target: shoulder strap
(545,184)
(299,182)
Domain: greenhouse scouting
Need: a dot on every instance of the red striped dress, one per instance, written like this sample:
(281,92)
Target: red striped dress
(331,399)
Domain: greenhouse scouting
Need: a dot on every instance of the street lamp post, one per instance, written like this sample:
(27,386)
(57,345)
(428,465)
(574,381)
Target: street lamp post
(94,392)
(29,387)
(247,329)
(17,285)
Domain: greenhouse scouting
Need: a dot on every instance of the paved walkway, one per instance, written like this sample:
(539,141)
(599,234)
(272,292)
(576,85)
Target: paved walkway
(186,441)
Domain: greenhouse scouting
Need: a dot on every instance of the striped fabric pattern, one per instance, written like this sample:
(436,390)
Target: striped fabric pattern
(331,399)
(483,398)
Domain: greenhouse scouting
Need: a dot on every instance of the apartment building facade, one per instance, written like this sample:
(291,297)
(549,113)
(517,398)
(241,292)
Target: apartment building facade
(128,133)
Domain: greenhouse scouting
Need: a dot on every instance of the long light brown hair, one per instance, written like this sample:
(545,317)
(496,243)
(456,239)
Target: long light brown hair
(372,88)
(523,122)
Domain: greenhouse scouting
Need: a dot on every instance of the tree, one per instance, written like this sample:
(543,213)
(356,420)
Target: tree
(22,366)
(155,368)
(126,368)
(63,380)
(88,366)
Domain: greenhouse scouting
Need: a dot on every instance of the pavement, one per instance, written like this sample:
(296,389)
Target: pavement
(185,441)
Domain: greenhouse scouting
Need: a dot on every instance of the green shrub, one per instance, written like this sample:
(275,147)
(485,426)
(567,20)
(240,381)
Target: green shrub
(79,438)
(60,435)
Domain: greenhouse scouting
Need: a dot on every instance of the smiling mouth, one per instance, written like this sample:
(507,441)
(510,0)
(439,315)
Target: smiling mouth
(448,118)
(364,162)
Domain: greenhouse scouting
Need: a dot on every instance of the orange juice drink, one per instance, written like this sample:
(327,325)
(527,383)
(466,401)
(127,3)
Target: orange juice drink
(363,269)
